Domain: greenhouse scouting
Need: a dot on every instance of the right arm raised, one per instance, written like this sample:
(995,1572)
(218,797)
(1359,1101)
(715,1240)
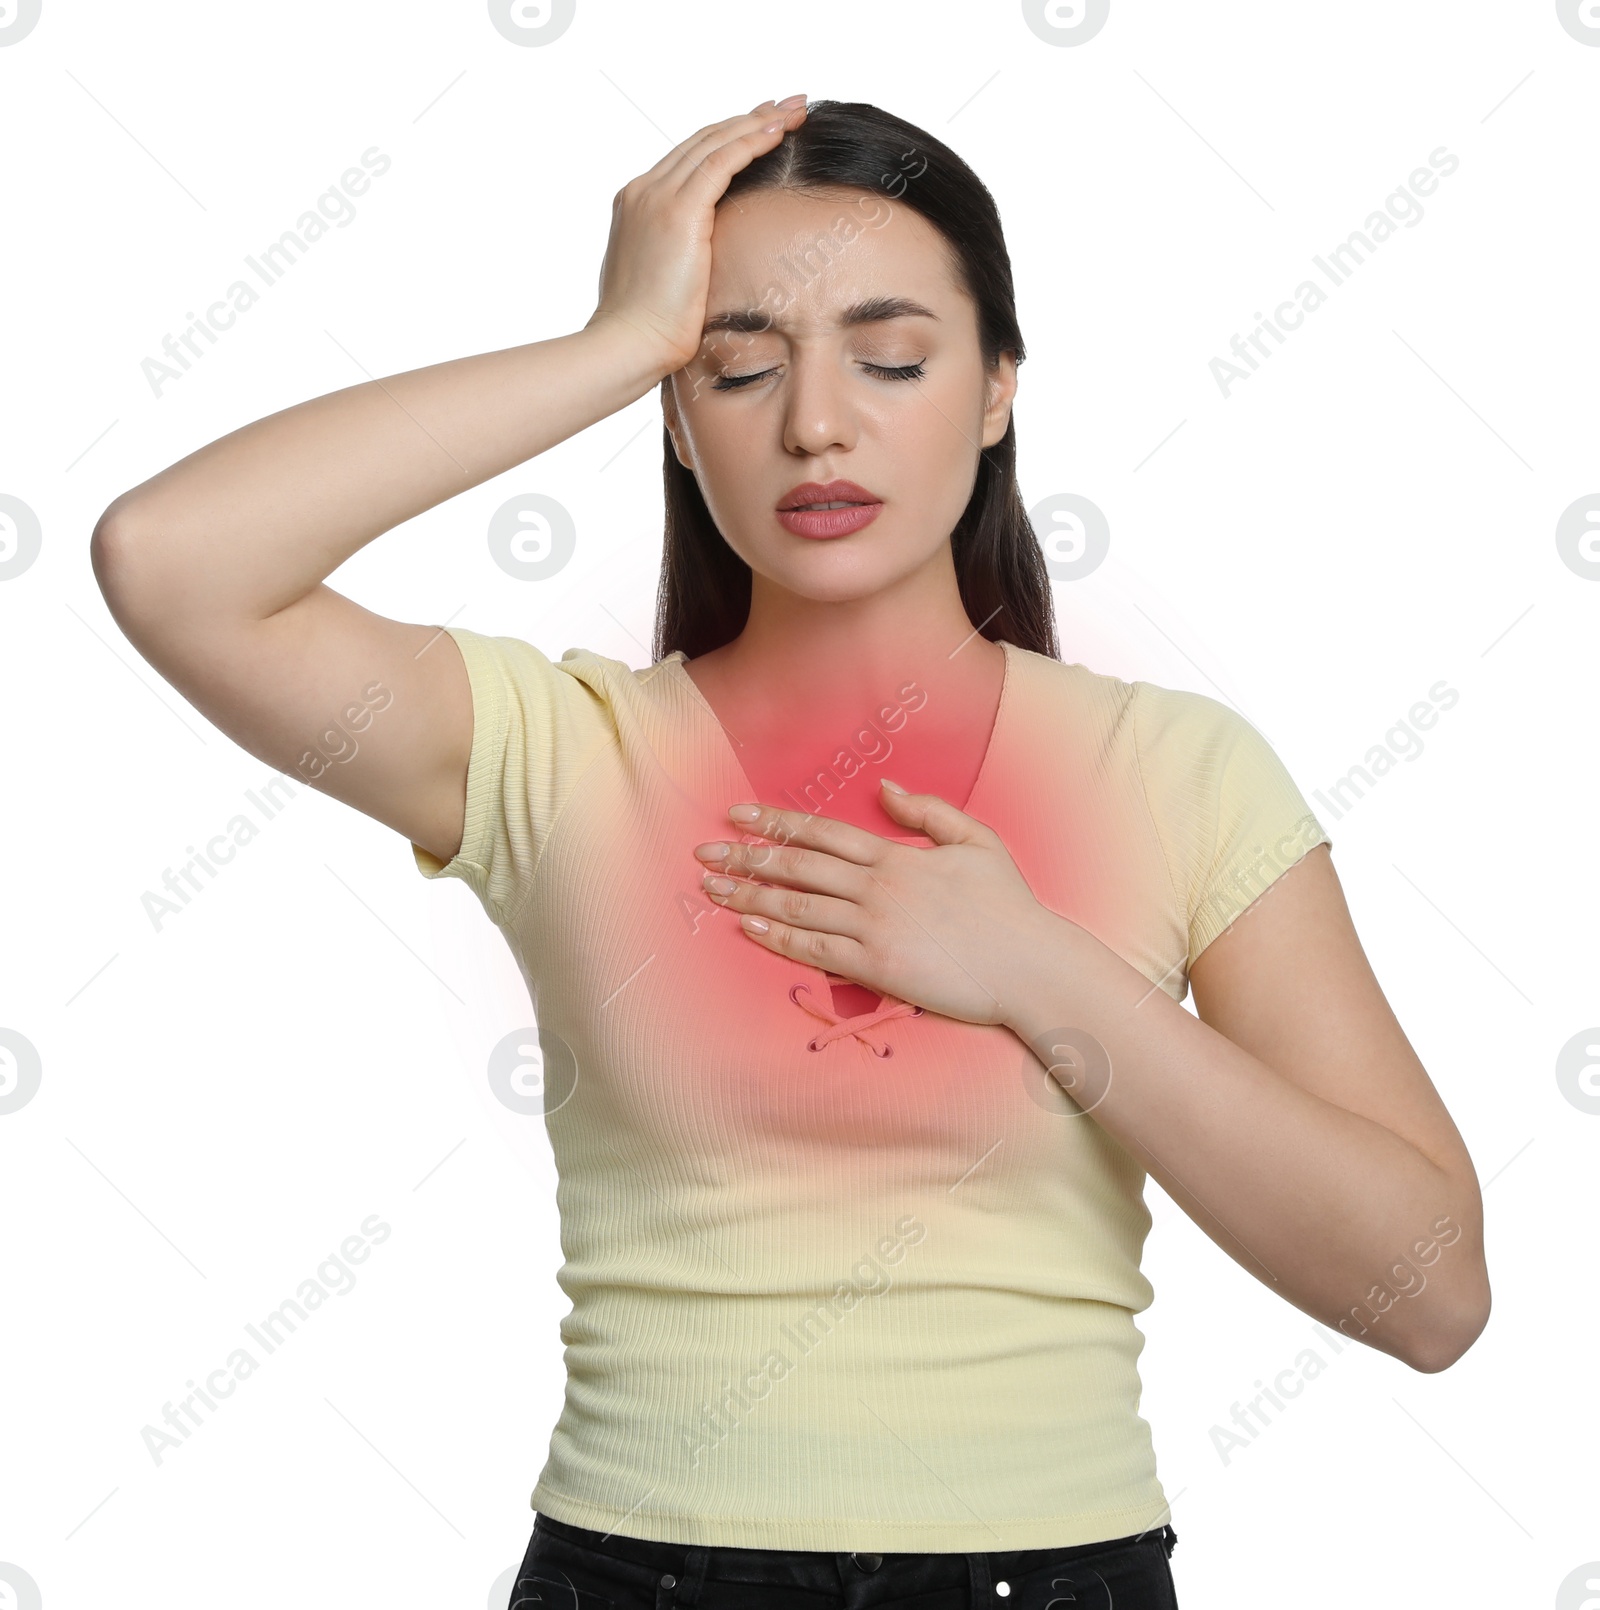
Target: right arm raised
(214,568)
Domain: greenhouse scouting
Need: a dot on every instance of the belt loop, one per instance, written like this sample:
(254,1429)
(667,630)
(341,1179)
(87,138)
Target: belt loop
(982,1581)
(687,1588)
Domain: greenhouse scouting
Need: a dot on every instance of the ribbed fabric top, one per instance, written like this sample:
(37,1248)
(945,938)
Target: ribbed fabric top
(840,1283)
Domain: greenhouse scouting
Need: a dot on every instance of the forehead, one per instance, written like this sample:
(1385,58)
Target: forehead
(801,263)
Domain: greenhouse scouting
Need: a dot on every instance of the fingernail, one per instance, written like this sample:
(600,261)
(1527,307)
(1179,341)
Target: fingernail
(744,813)
(895,786)
(789,102)
(753,925)
(712,852)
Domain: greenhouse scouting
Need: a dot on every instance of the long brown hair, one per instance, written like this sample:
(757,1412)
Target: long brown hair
(703,600)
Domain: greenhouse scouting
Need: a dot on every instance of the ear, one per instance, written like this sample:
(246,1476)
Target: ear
(999,389)
(673,420)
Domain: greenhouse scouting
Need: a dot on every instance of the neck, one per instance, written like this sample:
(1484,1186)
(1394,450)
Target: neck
(845,655)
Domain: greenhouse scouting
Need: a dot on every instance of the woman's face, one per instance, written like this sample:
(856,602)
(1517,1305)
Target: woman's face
(823,401)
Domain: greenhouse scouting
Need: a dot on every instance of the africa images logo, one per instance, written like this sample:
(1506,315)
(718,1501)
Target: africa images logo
(335,208)
(1402,206)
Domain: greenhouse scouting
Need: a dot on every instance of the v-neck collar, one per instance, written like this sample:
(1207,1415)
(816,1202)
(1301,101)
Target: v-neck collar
(818,976)
(678,658)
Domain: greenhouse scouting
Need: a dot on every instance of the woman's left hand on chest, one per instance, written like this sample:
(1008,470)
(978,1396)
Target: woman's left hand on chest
(946,927)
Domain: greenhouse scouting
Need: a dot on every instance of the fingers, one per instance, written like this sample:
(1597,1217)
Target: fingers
(711,131)
(807,831)
(675,155)
(776,863)
(809,946)
(794,908)
(935,817)
(708,164)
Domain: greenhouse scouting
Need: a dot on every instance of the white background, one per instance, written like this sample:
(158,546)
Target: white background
(225,1099)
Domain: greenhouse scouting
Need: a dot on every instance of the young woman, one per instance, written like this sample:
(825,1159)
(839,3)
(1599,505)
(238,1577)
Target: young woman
(857,924)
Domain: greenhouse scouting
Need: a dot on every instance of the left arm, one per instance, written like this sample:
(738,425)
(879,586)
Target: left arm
(1292,1120)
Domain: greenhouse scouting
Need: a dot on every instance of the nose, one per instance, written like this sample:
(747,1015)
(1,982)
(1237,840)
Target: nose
(819,413)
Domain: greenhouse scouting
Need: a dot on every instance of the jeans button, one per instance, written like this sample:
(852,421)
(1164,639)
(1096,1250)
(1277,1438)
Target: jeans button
(669,1581)
(868,1562)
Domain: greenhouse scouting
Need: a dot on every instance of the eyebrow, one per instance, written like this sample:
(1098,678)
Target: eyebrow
(875,310)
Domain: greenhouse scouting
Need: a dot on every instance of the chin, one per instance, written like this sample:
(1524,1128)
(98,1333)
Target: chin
(839,582)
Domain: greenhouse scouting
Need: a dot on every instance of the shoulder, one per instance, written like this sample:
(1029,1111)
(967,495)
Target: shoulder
(1227,809)
(1160,719)
(1186,740)
(1182,726)
(525,662)
(1171,737)
(1071,686)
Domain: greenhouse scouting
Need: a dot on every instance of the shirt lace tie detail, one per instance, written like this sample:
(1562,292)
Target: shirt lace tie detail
(838,1027)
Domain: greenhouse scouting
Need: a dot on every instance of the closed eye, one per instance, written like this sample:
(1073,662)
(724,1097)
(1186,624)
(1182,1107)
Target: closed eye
(908,371)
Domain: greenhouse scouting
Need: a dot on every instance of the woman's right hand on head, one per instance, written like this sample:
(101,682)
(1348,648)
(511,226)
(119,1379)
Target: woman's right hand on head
(657,268)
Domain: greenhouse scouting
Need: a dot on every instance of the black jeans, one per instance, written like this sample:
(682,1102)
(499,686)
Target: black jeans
(572,1568)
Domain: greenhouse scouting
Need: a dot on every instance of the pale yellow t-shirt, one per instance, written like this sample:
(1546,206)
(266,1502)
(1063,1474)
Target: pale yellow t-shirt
(879,1294)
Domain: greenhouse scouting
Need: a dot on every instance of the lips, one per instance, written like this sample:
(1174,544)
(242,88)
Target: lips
(826,492)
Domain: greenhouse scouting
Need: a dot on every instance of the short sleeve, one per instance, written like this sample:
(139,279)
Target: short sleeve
(1230,818)
(536,725)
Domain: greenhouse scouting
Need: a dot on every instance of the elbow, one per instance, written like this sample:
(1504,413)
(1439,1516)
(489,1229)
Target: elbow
(1443,1344)
(109,543)
(119,555)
